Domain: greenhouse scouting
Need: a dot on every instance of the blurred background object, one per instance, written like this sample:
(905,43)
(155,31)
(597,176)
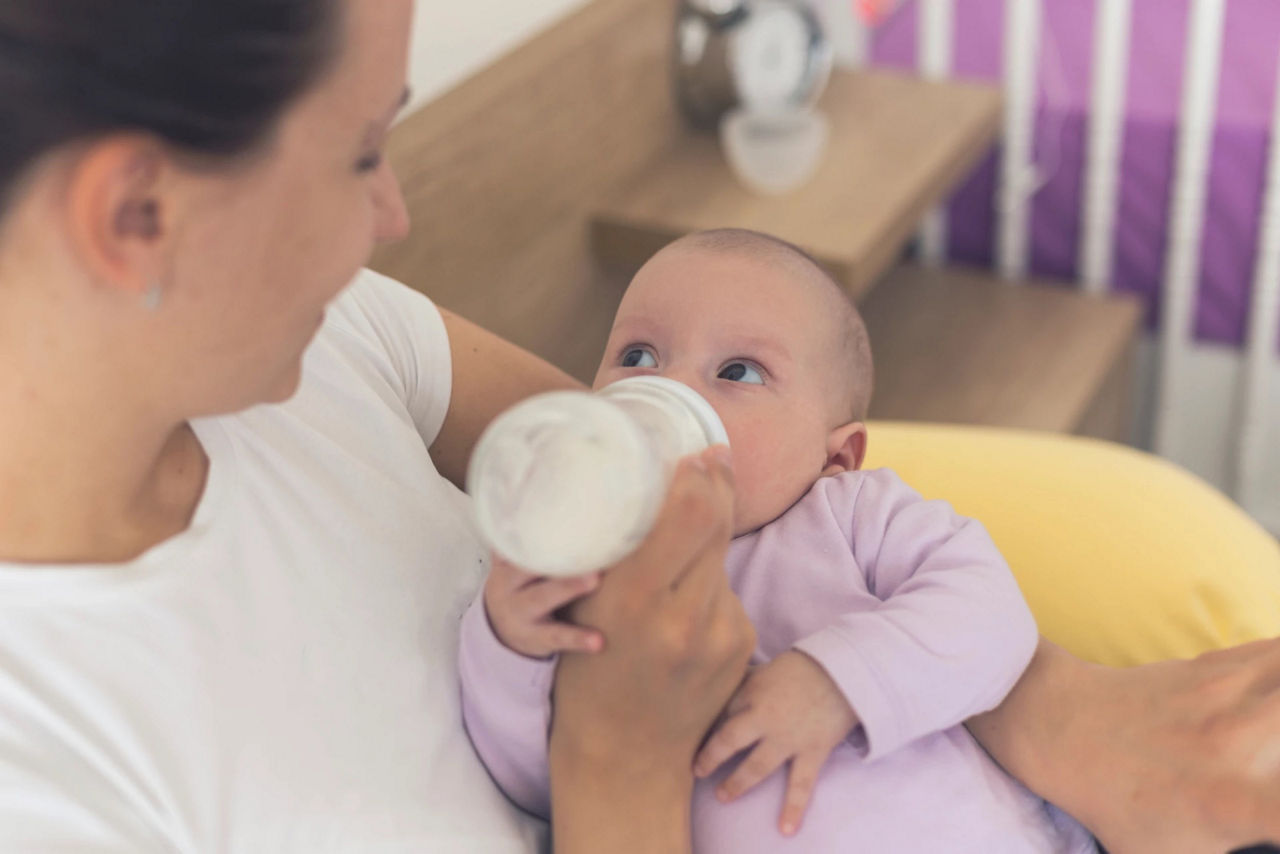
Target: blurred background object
(765,55)
(755,69)
(775,151)
(1135,159)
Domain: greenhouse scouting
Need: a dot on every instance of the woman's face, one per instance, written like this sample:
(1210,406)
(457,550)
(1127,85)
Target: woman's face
(257,252)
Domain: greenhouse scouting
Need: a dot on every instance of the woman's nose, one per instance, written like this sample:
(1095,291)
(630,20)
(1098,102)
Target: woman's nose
(391,214)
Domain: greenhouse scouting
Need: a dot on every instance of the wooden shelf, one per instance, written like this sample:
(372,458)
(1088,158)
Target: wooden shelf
(962,347)
(501,172)
(899,144)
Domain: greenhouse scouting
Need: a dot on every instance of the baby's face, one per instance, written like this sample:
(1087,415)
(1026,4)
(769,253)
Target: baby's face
(757,345)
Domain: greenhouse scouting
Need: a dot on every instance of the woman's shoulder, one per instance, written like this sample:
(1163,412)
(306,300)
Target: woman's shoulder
(383,336)
(379,308)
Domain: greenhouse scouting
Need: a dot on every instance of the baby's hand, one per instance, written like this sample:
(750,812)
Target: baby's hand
(522,610)
(789,710)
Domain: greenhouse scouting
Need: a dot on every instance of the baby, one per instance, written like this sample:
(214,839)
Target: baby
(884,621)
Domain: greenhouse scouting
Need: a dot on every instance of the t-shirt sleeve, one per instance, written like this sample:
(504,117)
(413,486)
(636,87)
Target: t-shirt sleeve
(405,328)
(952,633)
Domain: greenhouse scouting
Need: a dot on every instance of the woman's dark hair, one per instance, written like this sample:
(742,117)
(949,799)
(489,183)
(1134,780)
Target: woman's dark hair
(207,76)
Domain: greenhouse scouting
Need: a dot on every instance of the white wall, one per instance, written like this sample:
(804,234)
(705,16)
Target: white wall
(1209,420)
(453,39)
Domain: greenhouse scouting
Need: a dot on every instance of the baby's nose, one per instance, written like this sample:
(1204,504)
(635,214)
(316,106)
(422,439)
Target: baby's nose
(698,383)
(689,378)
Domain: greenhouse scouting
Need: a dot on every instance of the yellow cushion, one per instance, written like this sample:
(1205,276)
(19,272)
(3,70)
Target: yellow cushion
(1123,557)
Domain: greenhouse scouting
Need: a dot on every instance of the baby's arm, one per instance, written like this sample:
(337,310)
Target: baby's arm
(953,633)
(950,638)
(506,706)
(787,712)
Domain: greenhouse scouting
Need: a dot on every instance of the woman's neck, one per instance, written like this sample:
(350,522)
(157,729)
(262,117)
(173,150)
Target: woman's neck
(91,470)
(92,490)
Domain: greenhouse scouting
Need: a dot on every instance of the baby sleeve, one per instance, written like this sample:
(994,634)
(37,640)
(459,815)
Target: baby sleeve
(506,707)
(952,632)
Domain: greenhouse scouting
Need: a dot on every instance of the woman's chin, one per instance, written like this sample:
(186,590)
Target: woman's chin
(287,385)
(290,378)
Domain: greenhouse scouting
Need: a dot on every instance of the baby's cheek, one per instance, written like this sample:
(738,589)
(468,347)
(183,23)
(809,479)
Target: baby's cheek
(745,487)
(760,493)
(763,469)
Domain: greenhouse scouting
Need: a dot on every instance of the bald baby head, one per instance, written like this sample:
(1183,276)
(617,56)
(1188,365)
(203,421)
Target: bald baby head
(761,331)
(851,365)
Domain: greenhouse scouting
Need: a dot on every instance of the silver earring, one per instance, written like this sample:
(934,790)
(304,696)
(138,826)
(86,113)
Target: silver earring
(153,297)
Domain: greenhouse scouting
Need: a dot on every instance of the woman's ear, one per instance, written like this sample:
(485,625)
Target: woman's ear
(116,212)
(846,449)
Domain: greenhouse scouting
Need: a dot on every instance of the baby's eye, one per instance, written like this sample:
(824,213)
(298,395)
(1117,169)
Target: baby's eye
(741,372)
(638,357)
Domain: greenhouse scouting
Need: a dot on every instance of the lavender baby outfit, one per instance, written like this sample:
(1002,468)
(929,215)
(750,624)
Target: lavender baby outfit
(916,617)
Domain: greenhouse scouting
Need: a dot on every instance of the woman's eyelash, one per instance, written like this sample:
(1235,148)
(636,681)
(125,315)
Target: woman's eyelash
(369,163)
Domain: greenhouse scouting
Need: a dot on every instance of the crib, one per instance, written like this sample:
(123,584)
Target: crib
(1137,157)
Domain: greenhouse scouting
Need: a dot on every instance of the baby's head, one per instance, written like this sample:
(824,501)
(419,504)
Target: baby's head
(756,327)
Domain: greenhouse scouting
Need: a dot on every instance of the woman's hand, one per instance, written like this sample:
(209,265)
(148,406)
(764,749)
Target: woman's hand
(1195,749)
(1181,756)
(628,720)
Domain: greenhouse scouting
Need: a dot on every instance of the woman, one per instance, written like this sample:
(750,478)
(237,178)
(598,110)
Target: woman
(230,569)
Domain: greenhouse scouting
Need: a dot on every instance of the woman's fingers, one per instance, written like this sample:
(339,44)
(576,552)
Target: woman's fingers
(718,486)
(1245,735)
(698,512)
(1187,752)
(674,653)
(700,588)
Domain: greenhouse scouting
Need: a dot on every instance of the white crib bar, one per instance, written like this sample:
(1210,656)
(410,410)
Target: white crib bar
(1112,28)
(1186,221)
(934,55)
(1017,173)
(1264,334)
(856,45)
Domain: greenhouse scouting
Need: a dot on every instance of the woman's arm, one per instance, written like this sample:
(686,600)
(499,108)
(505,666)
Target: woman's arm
(624,804)
(489,375)
(1181,756)
(628,719)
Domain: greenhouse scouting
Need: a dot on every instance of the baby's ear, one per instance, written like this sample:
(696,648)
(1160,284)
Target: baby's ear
(846,448)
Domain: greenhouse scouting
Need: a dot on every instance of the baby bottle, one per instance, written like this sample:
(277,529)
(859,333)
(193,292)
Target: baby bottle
(569,482)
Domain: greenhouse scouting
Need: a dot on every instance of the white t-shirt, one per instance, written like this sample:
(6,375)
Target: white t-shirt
(281,677)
